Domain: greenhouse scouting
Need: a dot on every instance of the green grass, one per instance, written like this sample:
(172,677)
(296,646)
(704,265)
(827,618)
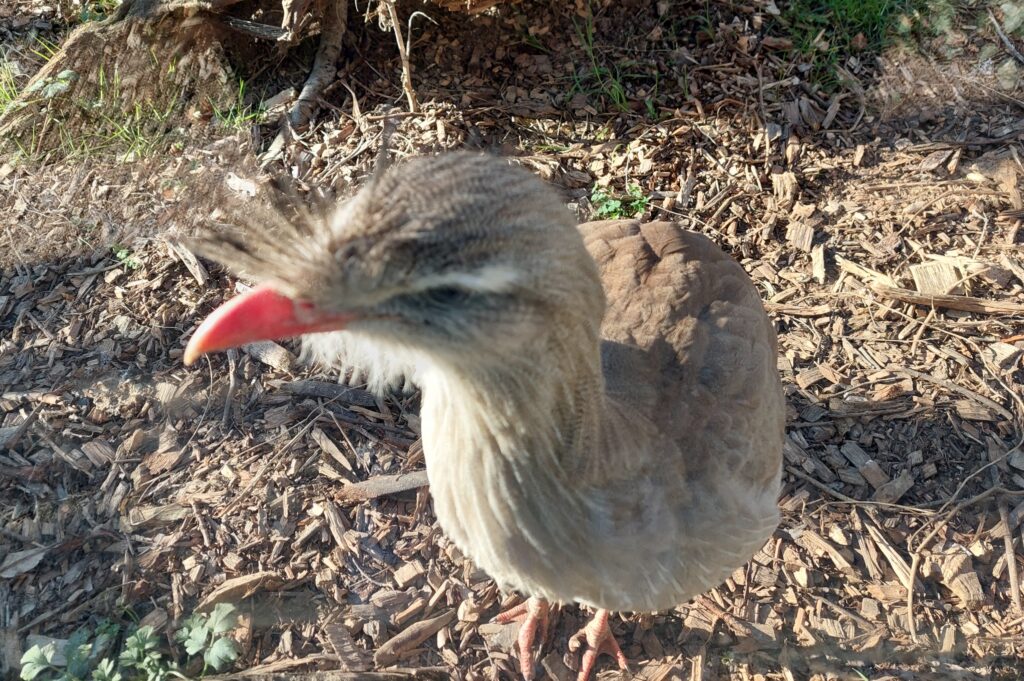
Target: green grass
(826,32)
(97,10)
(598,78)
(125,257)
(99,127)
(8,85)
(239,115)
(613,84)
(45,49)
(138,133)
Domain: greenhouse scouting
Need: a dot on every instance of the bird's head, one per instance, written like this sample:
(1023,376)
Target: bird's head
(460,258)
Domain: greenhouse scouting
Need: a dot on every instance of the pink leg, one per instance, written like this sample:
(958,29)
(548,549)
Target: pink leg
(534,614)
(599,639)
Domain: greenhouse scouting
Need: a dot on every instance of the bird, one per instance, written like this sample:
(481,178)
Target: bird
(602,415)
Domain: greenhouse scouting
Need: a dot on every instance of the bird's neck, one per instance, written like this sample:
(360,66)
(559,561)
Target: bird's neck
(503,447)
(543,407)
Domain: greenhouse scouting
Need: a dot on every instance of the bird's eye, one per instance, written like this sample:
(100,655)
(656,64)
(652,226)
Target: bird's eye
(447,295)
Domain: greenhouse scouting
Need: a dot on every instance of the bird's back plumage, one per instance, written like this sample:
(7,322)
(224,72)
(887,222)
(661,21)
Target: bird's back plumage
(691,446)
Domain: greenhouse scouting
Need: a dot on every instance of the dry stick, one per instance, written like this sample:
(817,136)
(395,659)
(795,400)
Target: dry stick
(410,94)
(22,428)
(843,499)
(952,302)
(1006,40)
(920,332)
(232,386)
(1011,559)
(820,485)
(949,385)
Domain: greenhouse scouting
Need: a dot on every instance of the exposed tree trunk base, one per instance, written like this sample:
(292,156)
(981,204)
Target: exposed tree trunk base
(153,67)
(158,66)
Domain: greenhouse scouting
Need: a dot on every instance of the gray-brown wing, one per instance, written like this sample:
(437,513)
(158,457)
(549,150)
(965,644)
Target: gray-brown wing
(692,437)
(688,343)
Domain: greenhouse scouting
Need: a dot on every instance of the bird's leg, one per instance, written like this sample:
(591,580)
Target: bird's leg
(599,639)
(534,614)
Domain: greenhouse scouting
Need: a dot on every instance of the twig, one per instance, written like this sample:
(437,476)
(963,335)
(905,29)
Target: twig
(22,428)
(949,385)
(10,534)
(207,542)
(951,302)
(1010,47)
(381,485)
(820,485)
(1011,558)
(410,94)
(920,332)
(843,499)
(232,386)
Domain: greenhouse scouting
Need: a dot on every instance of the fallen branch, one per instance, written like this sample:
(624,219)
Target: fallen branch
(1010,47)
(951,302)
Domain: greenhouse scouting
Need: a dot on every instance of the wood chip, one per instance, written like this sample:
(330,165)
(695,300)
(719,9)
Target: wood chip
(961,579)
(864,273)
(187,258)
(866,466)
(351,657)
(892,556)
(381,485)
(410,638)
(237,588)
(271,354)
(327,445)
(818,263)
(818,545)
(936,278)
(152,516)
(342,394)
(800,235)
(890,492)
(409,573)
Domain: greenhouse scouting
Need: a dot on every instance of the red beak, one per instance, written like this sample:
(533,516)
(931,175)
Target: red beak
(259,314)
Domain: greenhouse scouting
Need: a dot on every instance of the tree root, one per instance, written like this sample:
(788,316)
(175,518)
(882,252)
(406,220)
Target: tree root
(325,64)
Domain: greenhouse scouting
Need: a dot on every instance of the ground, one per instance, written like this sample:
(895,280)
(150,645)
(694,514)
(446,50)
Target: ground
(871,190)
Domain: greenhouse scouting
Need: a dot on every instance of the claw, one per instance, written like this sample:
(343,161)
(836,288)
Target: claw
(533,614)
(598,638)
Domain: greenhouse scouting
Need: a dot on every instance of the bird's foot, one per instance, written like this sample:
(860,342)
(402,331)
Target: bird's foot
(598,638)
(533,613)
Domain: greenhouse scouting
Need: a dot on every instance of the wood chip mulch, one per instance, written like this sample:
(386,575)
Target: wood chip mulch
(881,222)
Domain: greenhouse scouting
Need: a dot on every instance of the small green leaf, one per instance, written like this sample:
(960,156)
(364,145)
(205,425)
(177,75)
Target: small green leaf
(222,653)
(76,652)
(196,641)
(139,647)
(221,619)
(106,670)
(36,660)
